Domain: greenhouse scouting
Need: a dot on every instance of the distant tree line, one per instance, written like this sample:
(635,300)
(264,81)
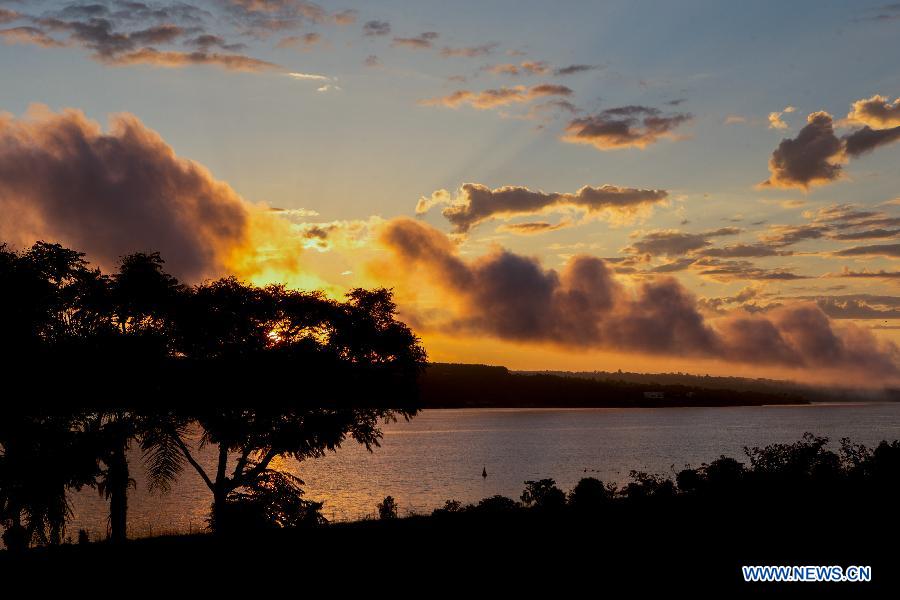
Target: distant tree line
(474,386)
(95,363)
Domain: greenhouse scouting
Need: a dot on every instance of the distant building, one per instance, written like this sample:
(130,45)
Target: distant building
(654,395)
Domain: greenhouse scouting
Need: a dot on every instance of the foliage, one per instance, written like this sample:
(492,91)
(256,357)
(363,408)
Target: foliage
(387,508)
(273,500)
(543,494)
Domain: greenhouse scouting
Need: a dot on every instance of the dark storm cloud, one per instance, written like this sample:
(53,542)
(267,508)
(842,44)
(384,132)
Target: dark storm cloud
(867,139)
(624,127)
(476,203)
(112,193)
(813,157)
(514,298)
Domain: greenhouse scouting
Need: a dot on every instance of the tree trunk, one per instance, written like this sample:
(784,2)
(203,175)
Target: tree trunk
(220,492)
(118,480)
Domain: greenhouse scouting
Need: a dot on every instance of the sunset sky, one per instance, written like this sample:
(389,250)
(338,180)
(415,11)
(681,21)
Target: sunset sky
(698,186)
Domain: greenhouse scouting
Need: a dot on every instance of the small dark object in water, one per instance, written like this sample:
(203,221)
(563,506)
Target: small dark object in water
(484,472)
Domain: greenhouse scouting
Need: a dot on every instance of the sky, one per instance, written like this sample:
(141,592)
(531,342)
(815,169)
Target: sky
(690,186)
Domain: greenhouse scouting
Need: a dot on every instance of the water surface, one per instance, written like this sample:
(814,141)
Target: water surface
(440,455)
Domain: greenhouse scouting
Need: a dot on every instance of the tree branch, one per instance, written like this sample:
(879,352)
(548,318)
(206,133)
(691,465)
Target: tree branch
(259,467)
(187,454)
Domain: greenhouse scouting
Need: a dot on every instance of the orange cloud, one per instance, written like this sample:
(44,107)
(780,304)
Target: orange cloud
(493,98)
(175,59)
(877,112)
(584,306)
(624,127)
(476,203)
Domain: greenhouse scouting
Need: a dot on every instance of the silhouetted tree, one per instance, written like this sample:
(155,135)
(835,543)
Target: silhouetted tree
(42,457)
(387,508)
(543,494)
(352,366)
(495,505)
(589,494)
(274,500)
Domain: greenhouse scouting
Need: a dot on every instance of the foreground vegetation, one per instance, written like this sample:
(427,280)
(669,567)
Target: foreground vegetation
(799,503)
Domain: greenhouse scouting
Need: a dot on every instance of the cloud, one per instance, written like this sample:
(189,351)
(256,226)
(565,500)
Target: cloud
(735,119)
(175,59)
(787,235)
(111,46)
(866,274)
(757,250)
(8,16)
(867,139)
(533,227)
(372,61)
(476,203)
(867,234)
(174,35)
(493,98)
(859,306)
(29,35)
(110,193)
(345,17)
(812,158)
(309,77)
(206,41)
(624,127)
(469,51)
(512,297)
(528,67)
(307,41)
(877,112)
(817,154)
(885,250)
(775,120)
(376,28)
(671,242)
(264,17)
(423,41)
(574,69)
(740,270)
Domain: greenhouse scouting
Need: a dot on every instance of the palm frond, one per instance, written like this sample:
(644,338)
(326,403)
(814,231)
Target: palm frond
(162,456)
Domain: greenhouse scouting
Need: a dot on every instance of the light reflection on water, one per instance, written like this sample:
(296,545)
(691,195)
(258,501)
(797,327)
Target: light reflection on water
(440,454)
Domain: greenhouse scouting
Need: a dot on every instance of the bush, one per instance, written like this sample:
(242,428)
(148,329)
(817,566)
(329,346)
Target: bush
(387,508)
(543,494)
(590,494)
